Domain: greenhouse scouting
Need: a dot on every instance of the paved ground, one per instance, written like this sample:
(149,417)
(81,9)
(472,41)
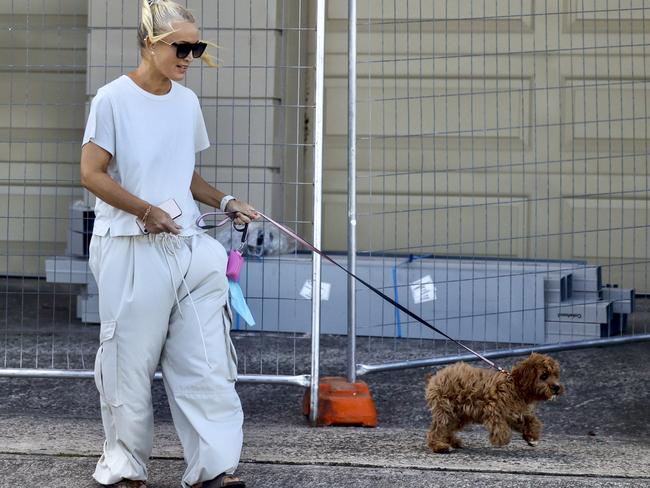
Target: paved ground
(597,435)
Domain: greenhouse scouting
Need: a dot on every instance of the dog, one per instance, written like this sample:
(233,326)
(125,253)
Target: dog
(460,394)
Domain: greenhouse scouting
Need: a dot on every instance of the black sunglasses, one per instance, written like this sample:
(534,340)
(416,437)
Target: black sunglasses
(183,49)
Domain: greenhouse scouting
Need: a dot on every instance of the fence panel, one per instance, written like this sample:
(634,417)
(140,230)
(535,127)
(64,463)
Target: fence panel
(502,182)
(258,106)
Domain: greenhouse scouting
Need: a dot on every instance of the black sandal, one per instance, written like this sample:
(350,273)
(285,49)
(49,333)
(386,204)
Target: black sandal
(128,484)
(224,481)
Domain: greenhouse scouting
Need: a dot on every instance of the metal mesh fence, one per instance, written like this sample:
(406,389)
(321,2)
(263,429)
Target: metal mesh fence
(502,173)
(257,106)
(42,105)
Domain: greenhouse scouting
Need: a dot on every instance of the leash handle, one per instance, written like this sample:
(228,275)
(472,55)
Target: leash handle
(199,221)
(239,228)
(295,236)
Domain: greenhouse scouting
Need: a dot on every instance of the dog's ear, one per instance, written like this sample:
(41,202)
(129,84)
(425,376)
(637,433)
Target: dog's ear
(525,373)
(543,362)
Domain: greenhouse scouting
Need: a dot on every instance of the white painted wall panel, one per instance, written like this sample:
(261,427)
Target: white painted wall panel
(42,81)
(537,102)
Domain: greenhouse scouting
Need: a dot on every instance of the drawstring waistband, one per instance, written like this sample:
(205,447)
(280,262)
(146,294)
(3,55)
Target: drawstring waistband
(171,243)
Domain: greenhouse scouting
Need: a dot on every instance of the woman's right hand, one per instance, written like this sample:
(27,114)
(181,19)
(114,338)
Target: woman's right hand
(159,221)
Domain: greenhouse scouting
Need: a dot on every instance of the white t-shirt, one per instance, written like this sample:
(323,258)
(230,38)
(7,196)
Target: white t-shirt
(153,140)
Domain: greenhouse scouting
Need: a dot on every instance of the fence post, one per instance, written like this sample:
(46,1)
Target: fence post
(318,193)
(352,188)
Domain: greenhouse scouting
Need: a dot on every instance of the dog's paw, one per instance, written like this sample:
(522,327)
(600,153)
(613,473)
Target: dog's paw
(531,438)
(500,438)
(440,447)
(456,443)
(442,450)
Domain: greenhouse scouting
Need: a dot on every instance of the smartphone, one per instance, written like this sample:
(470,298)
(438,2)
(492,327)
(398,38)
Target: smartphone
(170,206)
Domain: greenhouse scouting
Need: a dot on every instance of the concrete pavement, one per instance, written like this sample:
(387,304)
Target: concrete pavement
(597,435)
(297,455)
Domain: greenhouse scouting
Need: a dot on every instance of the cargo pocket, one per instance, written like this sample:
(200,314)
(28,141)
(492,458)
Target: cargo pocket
(106,364)
(230,347)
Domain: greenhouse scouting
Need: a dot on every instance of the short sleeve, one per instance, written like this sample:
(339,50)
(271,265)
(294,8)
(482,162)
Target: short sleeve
(100,127)
(201,139)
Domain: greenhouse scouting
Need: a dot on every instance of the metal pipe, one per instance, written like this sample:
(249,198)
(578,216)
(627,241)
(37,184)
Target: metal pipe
(298,380)
(318,193)
(352,188)
(363,369)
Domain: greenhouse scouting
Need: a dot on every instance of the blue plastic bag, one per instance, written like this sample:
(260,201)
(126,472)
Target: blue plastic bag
(238,303)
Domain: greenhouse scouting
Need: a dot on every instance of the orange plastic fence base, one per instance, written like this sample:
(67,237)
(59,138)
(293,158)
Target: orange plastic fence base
(343,403)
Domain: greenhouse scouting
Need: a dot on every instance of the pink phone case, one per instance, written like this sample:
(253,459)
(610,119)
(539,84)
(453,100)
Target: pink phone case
(170,206)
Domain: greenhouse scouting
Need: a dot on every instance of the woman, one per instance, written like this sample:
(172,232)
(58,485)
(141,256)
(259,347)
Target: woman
(163,296)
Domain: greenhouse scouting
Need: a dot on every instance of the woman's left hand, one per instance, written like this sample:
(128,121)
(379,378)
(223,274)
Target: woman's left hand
(241,212)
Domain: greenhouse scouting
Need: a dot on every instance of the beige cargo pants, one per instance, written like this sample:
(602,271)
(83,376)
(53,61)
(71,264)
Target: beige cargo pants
(164,299)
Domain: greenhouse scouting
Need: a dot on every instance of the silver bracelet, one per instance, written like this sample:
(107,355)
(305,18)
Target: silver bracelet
(224,202)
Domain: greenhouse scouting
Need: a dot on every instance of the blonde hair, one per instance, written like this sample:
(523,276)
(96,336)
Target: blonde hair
(156,23)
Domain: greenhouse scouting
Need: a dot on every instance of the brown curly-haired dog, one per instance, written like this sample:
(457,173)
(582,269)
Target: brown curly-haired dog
(461,394)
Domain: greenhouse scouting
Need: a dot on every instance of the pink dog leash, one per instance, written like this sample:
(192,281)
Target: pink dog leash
(295,236)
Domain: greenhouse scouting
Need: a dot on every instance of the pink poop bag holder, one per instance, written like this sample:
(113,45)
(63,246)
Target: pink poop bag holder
(235,264)
(236,256)
(233,269)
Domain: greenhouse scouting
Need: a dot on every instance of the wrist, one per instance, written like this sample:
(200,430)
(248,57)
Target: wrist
(225,201)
